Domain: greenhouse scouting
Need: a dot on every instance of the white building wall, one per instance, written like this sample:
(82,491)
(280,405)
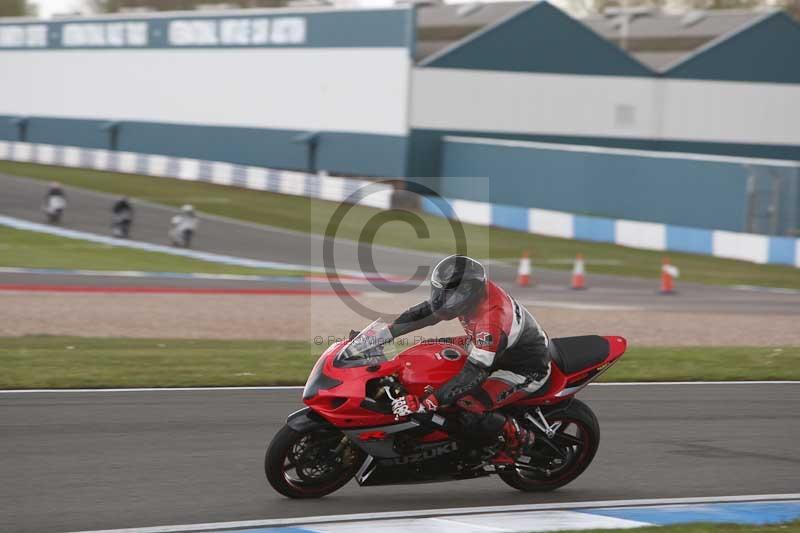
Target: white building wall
(602,106)
(554,104)
(723,111)
(336,89)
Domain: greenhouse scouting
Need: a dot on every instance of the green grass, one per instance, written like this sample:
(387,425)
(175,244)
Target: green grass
(789,527)
(76,362)
(699,363)
(305,214)
(30,249)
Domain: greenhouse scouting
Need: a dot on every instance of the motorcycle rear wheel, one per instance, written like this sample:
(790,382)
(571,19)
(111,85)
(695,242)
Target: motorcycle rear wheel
(578,438)
(303,465)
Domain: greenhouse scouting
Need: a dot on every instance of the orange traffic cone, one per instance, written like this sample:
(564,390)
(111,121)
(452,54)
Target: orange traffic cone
(668,274)
(524,272)
(579,273)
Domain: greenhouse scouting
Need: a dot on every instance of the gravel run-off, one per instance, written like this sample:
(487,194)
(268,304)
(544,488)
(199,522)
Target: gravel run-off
(300,317)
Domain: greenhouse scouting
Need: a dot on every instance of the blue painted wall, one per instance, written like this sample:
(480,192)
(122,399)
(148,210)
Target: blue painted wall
(84,133)
(763,52)
(340,152)
(542,38)
(699,194)
(8,130)
(425,147)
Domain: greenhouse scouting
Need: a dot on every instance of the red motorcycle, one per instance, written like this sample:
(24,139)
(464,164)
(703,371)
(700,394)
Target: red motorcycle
(348,430)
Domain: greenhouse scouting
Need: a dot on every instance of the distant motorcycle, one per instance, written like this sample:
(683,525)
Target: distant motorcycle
(121,224)
(348,428)
(183,227)
(181,238)
(54,207)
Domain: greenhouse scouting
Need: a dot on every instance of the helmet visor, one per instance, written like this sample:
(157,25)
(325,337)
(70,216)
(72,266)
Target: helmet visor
(449,303)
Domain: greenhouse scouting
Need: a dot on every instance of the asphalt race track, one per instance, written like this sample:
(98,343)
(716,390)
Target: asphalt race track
(90,211)
(95,460)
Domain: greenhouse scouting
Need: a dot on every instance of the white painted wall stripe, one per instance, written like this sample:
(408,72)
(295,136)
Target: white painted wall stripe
(157,165)
(100,159)
(45,154)
(797,253)
(378,199)
(22,152)
(126,162)
(189,169)
(288,182)
(647,235)
(257,178)
(295,187)
(331,189)
(473,212)
(222,173)
(744,246)
(552,223)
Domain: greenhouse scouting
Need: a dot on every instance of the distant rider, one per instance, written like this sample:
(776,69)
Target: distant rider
(184,225)
(55,201)
(122,217)
(509,356)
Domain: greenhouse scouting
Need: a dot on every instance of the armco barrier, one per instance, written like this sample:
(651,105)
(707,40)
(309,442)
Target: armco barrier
(647,235)
(257,178)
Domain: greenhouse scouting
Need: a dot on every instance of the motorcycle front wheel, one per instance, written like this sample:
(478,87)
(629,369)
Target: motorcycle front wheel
(562,458)
(310,465)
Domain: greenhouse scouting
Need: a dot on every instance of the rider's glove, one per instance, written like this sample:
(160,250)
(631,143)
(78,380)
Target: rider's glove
(409,404)
(430,403)
(406,405)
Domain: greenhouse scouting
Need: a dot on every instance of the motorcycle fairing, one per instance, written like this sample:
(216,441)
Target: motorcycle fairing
(306,419)
(442,461)
(349,404)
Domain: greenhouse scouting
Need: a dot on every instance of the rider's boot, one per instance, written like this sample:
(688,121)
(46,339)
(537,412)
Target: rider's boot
(518,441)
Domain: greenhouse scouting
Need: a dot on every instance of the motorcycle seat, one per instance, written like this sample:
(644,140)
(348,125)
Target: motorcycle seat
(574,354)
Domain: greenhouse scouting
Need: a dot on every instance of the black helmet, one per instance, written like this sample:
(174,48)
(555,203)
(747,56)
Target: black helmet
(458,283)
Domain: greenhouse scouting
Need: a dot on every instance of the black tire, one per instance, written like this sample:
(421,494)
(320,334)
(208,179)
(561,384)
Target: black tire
(577,415)
(280,452)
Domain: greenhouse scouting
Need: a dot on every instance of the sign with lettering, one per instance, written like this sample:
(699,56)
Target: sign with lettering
(237,32)
(113,34)
(23,36)
(334,28)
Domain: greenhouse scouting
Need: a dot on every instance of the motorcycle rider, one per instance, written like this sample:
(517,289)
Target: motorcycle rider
(122,217)
(509,356)
(184,224)
(55,201)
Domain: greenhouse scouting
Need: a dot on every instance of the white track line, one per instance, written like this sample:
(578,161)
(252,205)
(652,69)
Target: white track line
(299,387)
(215,526)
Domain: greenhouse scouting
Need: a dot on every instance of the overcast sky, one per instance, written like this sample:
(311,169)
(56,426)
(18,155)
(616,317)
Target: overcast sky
(48,7)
